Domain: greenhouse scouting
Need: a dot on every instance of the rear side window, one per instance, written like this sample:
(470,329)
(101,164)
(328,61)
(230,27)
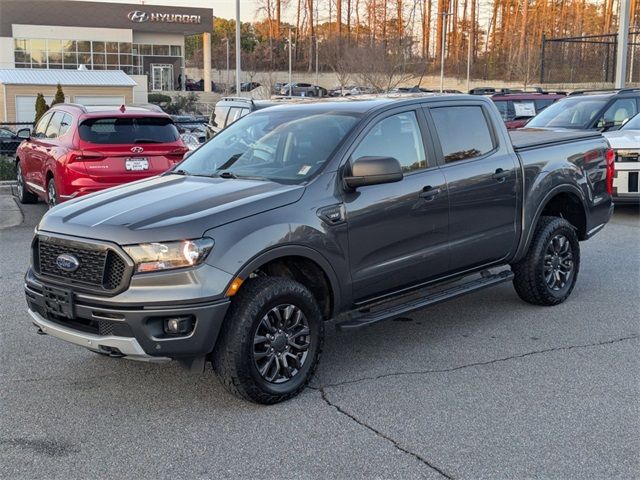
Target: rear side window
(65,124)
(235,113)
(542,104)
(219,116)
(119,130)
(463,132)
(53,129)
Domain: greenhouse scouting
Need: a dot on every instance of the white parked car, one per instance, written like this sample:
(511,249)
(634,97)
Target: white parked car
(626,143)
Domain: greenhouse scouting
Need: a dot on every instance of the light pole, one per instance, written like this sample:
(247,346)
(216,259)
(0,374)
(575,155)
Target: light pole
(623,43)
(290,79)
(442,47)
(317,74)
(226,40)
(237,47)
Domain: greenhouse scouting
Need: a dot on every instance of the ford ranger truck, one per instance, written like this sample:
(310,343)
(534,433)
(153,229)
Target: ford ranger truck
(353,211)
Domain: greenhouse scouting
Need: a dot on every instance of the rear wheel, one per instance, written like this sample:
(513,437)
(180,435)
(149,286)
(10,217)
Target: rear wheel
(548,273)
(52,193)
(271,341)
(24,195)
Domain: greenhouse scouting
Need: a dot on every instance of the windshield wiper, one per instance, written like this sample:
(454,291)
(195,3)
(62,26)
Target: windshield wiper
(179,172)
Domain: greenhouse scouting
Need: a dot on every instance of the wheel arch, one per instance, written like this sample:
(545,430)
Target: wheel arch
(305,265)
(565,201)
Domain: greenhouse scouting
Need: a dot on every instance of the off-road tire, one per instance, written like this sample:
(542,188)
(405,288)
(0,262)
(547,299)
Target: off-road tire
(233,354)
(24,195)
(529,280)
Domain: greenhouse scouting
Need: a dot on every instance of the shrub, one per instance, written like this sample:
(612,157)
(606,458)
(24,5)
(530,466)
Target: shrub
(183,104)
(159,99)
(59,97)
(41,107)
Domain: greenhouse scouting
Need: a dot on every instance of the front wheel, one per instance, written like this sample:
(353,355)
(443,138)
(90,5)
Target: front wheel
(52,193)
(270,342)
(548,272)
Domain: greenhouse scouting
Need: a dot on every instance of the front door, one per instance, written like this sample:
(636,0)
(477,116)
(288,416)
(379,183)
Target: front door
(161,77)
(397,231)
(481,174)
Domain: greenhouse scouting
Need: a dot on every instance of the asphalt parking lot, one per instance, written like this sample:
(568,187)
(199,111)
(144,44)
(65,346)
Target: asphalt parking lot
(483,387)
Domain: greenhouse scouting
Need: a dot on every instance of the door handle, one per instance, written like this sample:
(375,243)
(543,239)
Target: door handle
(429,193)
(500,175)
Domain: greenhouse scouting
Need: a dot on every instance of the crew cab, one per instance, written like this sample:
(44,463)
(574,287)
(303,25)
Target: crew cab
(75,150)
(242,252)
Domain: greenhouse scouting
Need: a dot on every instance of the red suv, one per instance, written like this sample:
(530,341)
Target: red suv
(517,109)
(75,150)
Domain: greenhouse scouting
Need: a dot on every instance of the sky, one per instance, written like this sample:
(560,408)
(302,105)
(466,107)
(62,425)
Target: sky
(221,8)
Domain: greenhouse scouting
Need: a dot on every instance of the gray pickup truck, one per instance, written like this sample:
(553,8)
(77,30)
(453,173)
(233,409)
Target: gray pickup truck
(357,211)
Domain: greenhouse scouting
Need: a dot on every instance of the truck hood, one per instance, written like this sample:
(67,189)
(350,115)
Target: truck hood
(165,208)
(624,139)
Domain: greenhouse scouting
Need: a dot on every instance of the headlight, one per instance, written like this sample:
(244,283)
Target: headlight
(151,257)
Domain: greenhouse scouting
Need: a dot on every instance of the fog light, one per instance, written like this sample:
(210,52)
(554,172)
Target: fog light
(179,325)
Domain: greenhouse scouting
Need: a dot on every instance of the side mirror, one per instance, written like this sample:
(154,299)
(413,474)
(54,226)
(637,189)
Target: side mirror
(373,171)
(23,133)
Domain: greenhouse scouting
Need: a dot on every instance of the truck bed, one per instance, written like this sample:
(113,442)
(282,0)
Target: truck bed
(532,137)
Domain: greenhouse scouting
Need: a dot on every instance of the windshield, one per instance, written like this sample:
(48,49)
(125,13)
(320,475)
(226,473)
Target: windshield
(633,124)
(569,113)
(288,147)
(117,130)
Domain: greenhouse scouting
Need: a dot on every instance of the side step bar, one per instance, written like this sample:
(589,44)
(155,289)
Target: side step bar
(370,318)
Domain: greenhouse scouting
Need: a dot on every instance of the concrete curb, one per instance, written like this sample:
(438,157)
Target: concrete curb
(7,189)
(10,213)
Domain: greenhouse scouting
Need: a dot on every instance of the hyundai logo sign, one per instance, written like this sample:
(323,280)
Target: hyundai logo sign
(68,263)
(138,17)
(137,150)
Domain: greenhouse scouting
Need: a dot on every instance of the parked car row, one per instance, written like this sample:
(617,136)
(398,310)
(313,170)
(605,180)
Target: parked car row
(75,150)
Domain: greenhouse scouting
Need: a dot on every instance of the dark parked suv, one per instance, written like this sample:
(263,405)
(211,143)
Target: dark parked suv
(590,110)
(241,253)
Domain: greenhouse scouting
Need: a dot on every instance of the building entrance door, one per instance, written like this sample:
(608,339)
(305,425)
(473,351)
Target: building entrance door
(161,77)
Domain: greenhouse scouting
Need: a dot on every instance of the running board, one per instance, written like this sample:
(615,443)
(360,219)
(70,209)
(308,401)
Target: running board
(475,285)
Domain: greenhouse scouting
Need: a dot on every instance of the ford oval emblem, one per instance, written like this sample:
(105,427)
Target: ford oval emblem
(68,263)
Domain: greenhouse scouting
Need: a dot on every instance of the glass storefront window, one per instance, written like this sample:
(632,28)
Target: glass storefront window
(145,50)
(97,46)
(176,51)
(161,50)
(112,59)
(112,47)
(84,59)
(98,59)
(126,59)
(54,49)
(70,57)
(84,47)
(125,47)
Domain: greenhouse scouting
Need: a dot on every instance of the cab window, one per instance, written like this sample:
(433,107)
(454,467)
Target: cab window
(397,136)
(463,132)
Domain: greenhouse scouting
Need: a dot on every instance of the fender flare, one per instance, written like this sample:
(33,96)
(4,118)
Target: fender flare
(297,251)
(564,188)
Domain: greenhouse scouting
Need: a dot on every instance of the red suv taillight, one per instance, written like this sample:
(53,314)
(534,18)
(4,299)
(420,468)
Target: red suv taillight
(610,157)
(178,154)
(84,156)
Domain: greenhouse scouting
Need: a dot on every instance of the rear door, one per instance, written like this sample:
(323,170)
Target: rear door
(122,149)
(397,231)
(481,175)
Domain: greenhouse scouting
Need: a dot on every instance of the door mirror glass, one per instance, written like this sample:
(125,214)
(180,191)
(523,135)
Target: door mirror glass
(23,133)
(373,171)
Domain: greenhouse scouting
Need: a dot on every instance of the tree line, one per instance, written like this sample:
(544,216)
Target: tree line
(503,37)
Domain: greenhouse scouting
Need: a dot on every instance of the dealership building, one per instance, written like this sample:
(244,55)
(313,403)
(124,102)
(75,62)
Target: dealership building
(147,42)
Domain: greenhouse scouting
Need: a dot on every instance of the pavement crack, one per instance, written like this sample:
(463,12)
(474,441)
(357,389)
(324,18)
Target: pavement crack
(380,434)
(480,364)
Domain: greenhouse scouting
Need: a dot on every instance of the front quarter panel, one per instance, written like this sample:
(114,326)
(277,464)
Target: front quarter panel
(291,230)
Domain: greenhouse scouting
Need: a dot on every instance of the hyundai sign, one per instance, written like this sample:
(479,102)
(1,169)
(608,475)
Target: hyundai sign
(139,16)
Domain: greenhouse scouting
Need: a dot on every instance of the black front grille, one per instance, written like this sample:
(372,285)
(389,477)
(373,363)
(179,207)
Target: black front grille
(100,267)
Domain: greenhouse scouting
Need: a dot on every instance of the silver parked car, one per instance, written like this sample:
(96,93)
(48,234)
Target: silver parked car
(299,90)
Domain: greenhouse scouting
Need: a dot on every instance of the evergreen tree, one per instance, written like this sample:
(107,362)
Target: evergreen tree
(59,97)
(41,107)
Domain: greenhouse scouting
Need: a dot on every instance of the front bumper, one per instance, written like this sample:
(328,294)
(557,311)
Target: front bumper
(133,330)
